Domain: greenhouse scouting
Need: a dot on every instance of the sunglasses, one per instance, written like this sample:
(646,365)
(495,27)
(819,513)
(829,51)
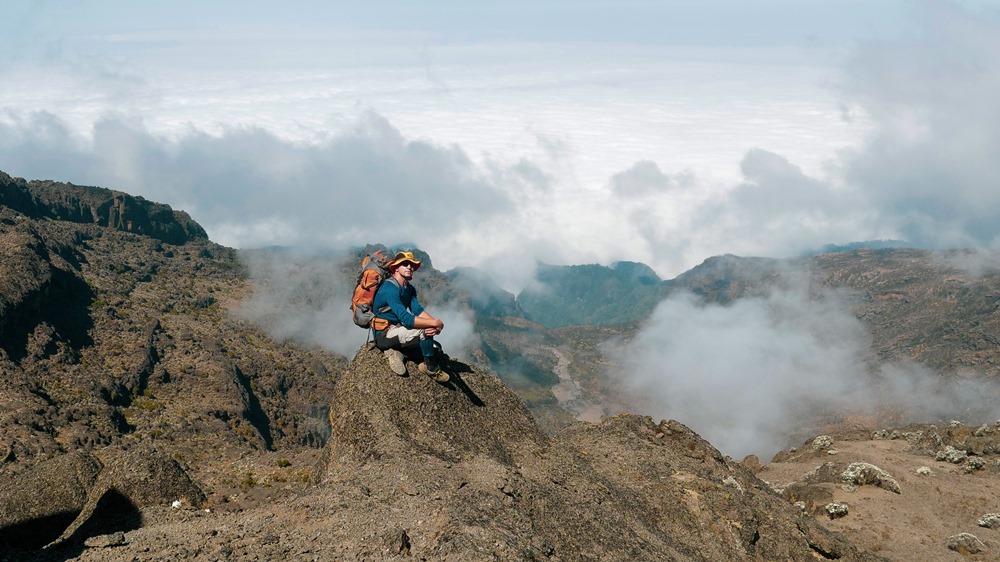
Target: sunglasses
(407,264)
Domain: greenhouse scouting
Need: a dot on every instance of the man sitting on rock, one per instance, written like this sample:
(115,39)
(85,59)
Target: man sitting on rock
(402,322)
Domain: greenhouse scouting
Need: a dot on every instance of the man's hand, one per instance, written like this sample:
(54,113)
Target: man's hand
(431,326)
(435,329)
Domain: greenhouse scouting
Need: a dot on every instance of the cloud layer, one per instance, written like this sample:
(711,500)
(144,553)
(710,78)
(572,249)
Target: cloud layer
(578,183)
(748,375)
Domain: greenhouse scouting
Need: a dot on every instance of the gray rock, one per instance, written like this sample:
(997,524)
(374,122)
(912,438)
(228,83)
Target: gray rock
(138,478)
(862,473)
(105,541)
(836,510)
(990,521)
(966,543)
(51,490)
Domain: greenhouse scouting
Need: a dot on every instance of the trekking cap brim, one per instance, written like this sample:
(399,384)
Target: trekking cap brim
(402,257)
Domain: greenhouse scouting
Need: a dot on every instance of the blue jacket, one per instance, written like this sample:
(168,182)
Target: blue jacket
(402,302)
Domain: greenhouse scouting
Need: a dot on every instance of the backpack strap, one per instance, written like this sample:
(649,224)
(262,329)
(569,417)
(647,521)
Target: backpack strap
(385,308)
(392,280)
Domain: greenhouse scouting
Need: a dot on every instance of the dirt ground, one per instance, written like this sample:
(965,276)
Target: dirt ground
(915,524)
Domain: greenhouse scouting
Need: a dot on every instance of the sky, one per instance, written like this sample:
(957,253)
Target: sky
(508,132)
(499,134)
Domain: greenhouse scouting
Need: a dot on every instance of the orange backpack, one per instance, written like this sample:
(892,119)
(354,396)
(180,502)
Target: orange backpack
(373,272)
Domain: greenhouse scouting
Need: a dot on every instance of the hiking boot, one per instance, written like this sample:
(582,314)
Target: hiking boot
(439,355)
(434,372)
(395,358)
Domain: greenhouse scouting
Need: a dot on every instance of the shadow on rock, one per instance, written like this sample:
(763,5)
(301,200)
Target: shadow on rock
(139,478)
(39,503)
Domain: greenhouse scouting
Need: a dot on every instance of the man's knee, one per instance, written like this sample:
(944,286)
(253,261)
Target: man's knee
(405,336)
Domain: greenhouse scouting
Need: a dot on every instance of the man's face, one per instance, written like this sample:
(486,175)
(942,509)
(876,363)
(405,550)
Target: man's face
(405,270)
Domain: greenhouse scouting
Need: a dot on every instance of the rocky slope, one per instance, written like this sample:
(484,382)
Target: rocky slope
(141,417)
(418,470)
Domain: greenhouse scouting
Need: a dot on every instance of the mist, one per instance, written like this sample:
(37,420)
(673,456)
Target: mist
(298,297)
(748,376)
(306,298)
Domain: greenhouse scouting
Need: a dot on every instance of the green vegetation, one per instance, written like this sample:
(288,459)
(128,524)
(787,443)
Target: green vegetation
(592,294)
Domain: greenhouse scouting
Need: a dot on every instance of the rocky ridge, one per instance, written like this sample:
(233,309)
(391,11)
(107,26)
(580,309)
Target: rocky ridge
(97,205)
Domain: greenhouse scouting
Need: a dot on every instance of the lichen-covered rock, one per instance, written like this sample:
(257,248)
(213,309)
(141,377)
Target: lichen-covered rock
(973,464)
(862,473)
(951,454)
(821,443)
(990,521)
(836,510)
(966,543)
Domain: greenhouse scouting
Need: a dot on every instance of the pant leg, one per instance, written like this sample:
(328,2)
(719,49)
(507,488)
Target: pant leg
(400,336)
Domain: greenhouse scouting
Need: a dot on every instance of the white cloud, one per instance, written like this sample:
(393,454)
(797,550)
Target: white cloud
(930,167)
(745,375)
(642,178)
(302,299)
(514,155)
(367,184)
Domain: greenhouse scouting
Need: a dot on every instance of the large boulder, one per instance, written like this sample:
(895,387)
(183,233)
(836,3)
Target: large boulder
(138,478)
(376,415)
(462,472)
(38,503)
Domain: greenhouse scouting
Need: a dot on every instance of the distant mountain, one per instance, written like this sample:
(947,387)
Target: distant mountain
(865,245)
(591,294)
(722,279)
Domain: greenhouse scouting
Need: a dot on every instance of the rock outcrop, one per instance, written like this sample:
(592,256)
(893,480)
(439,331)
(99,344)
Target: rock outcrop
(97,205)
(462,472)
